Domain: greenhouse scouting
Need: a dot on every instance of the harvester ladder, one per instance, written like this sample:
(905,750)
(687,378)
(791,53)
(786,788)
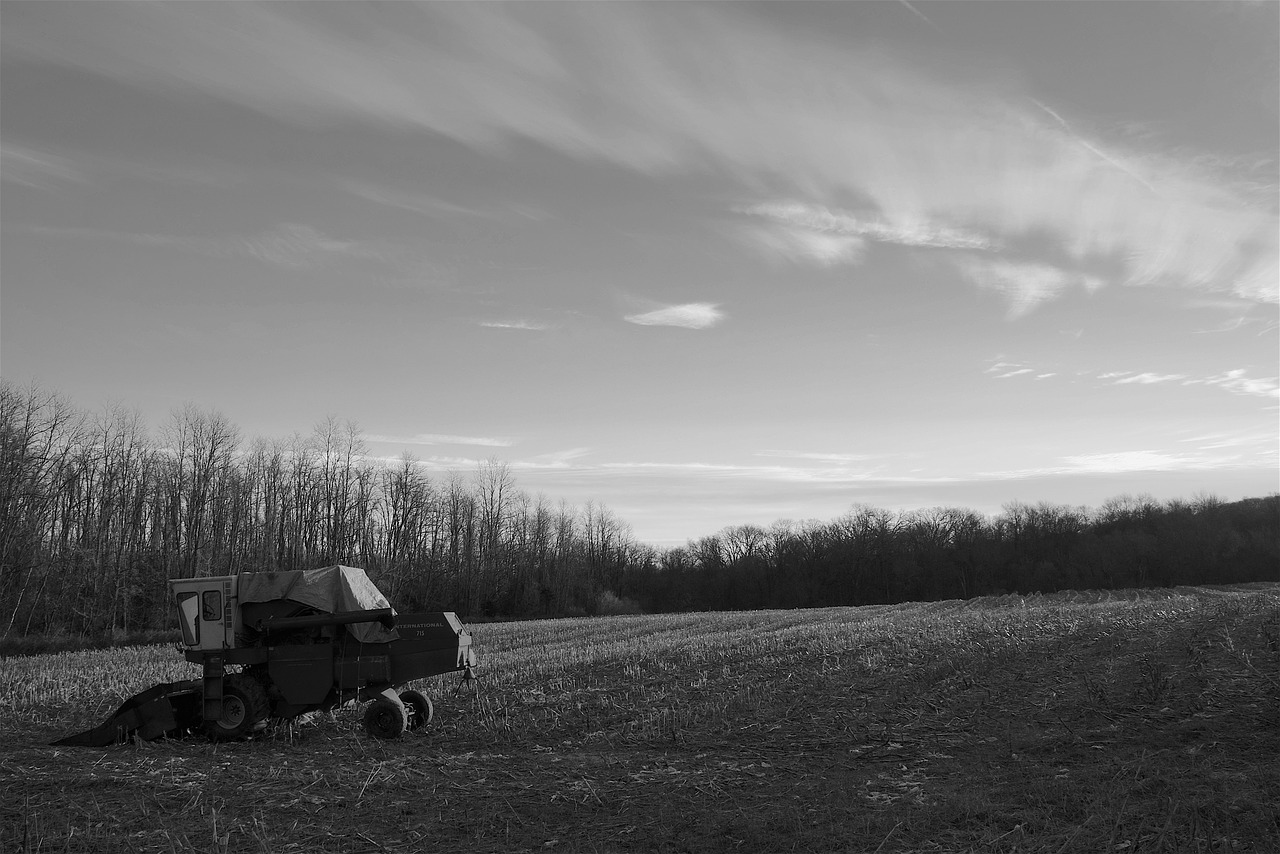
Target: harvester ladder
(211,689)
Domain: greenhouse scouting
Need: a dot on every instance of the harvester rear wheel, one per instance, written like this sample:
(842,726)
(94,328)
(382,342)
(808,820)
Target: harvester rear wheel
(385,718)
(245,708)
(419,706)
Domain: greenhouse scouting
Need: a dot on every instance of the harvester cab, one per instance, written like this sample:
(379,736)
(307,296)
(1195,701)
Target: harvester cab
(205,615)
(277,645)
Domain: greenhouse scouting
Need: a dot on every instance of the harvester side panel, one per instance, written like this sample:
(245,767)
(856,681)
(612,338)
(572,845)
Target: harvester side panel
(303,674)
(369,668)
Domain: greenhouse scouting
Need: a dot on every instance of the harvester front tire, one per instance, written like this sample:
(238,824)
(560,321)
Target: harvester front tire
(419,706)
(385,718)
(245,708)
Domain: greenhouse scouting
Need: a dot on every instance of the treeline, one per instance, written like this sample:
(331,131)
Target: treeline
(97,513)
(873,556)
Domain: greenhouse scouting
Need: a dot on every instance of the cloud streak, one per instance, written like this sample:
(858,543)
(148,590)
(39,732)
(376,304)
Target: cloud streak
(443,439)
(35,169)
(290,246)
(804,246)
(1023,284)
(1093,149)
(301,247)
(694,315)
(1126,462)
(787,474)
(816,219)
(1149,378)
(527,325)
(1235,381)
(420,203)
(1238,382)
(812,234)
(818,457)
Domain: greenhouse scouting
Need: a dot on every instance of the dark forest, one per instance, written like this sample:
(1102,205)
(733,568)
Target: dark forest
(97,512)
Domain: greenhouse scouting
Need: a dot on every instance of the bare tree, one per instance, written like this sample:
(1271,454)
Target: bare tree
(39,434)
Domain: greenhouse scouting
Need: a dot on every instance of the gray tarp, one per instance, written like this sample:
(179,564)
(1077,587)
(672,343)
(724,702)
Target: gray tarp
(331,589)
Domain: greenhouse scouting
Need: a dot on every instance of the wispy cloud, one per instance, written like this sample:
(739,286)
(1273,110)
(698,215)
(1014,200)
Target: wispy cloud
(1236,381)
(1005,370)
(1240,322)
(1256,442)
(1023,284)
(807,227)
(200,244)
(711,86)
(1125,461)
(553,459)
(1121,462)
(819,457)
(35,169)
(45,171)
(1149,378)
(290,245)
(1090,147)
(918,13)
(410,201)
(302,247)
(828,474)
(443,439)
(528,325)
(694,315)
(802,246)
(716,470)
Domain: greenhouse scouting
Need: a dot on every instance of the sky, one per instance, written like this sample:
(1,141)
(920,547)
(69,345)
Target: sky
(706,264)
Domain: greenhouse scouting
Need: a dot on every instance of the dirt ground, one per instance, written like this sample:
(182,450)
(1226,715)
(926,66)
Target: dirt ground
(1149,735)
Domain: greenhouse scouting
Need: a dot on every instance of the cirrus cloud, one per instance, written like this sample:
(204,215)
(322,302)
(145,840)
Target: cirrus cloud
(36,169)
(807,233)
(711,87)
(443,439)
(1024,284)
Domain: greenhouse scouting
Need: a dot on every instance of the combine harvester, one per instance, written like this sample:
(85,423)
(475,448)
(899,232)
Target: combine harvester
(300,641)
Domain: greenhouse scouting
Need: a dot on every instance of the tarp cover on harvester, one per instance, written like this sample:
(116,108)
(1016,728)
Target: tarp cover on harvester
(331,589)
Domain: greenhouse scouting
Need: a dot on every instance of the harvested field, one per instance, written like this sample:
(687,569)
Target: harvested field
(1143,721)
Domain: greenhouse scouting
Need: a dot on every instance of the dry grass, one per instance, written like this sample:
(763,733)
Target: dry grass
(1142,722)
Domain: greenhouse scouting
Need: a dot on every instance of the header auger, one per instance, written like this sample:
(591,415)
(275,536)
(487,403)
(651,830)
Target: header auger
(300,641)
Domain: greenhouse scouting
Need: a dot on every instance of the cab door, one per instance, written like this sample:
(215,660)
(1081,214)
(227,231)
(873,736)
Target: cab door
(206,612)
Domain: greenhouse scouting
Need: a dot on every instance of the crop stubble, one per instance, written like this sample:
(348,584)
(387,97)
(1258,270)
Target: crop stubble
(1132,722)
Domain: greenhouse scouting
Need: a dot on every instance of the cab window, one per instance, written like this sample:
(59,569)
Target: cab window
(211,606)
(187,618)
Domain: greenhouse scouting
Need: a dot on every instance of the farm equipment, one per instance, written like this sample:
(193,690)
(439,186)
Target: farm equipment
(300,641)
